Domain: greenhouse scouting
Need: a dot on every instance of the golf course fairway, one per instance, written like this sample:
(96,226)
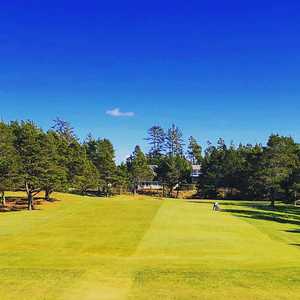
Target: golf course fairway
(125,247)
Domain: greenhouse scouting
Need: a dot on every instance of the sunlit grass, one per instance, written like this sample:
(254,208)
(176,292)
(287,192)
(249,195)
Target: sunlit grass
(143,248)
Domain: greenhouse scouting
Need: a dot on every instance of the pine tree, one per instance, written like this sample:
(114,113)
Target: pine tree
(194,152)
(156,139)
(9,161)
(279,159)
(64,129)
(102,154)
(138,167)
(174,171)
(29,143)
(55,179)
(174,141)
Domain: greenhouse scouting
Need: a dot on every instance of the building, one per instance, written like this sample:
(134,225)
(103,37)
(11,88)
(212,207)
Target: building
(156,185)
(196,172)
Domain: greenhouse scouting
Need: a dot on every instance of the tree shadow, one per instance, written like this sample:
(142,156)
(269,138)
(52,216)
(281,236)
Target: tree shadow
(285,215)
(293,230)
(18,203)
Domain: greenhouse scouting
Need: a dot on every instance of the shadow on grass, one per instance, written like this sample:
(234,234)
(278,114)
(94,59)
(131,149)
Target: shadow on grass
(293,230)
(265,215)
(16,203)
(260,210)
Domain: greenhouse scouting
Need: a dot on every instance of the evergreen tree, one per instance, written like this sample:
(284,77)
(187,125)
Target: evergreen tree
(212,170)
(173,171)
(194,152)
(56,177)
(64,129)
(174,141)
(9,161)
(122,177)
(156,139)
(138,168)
(87,177)
(29,143)
(102,154)
(279,159)
(250,184)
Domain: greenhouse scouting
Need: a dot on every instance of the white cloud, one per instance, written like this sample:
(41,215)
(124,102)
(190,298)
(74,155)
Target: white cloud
(116,112)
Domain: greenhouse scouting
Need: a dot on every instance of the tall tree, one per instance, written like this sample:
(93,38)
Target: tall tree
(173,171)
(9,161)
(212,170)
(29,143)
(122,177)
(278,162)
(56,177)
(156,139)
(64,129)
(138,168)
(86,176)
(194,152)
(174,141)
(102,154)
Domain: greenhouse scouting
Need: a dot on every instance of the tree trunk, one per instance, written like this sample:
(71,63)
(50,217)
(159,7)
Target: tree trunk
(3,199)
(47,194)
(273,202)
(171,192)
(135,187)
(272,196)
(177,192)
(30,201)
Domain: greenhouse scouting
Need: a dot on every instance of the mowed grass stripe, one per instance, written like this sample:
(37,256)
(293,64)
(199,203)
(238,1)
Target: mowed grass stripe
(81,236)
(208,255)
(143,248)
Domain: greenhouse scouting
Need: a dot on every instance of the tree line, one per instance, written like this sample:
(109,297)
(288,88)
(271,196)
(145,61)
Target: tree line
(35,160)
(260,172)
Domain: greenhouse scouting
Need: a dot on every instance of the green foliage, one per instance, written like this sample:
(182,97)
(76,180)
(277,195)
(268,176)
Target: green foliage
(194,152)
(173,171)
(256,172)
(102,155)
(174,141)
(9,161)
(122,176)
(56,177)
(138,168)
(279,160)
(34,160)
(156,139)
(86,178)
(29,143)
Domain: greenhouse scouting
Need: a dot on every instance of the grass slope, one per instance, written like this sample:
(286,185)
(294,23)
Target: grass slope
(144,248)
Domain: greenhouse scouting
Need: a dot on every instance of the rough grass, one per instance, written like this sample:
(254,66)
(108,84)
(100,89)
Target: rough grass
(145,248)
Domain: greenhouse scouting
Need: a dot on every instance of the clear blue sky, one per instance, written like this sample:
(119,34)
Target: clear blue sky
(226,69)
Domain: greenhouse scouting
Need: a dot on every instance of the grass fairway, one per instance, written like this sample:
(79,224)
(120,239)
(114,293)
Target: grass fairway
(144,248)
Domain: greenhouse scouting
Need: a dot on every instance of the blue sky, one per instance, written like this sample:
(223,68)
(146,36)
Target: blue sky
(226,69)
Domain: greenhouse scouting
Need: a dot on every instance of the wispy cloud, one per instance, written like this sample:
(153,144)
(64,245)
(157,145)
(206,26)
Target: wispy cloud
(116,112)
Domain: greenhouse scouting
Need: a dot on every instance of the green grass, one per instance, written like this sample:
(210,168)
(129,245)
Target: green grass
(144,248)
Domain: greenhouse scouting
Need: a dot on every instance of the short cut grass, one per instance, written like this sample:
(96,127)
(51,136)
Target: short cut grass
(145,248)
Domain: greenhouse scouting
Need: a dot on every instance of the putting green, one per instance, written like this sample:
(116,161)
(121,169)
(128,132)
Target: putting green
(144,248)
